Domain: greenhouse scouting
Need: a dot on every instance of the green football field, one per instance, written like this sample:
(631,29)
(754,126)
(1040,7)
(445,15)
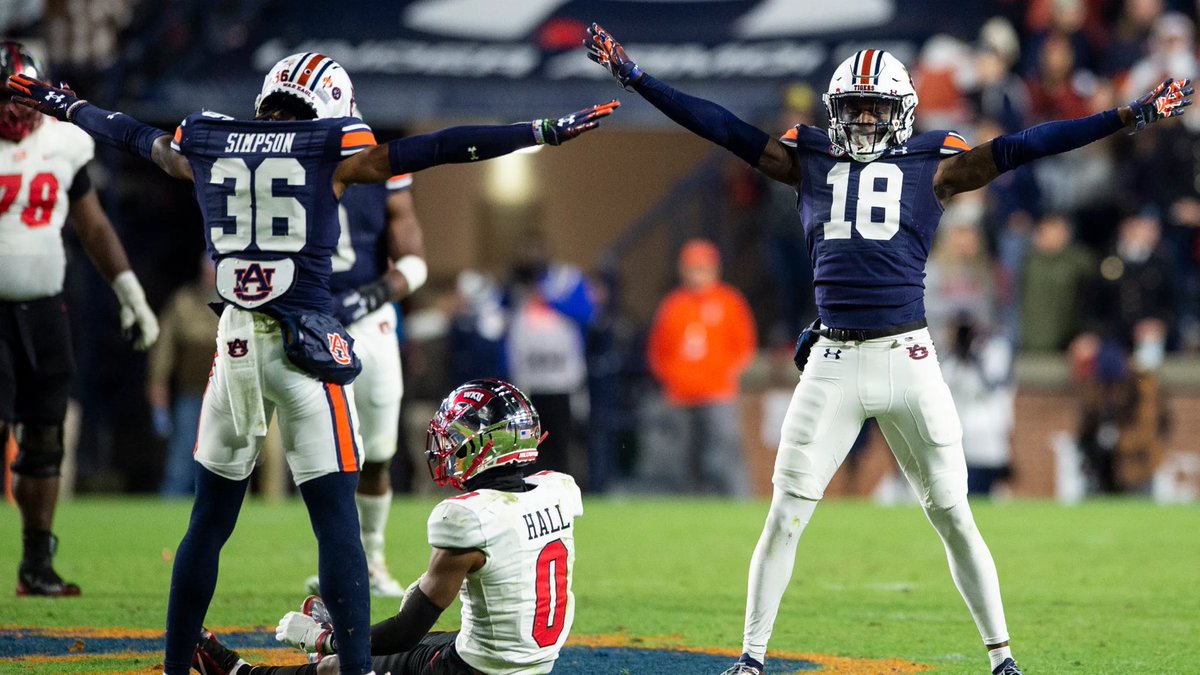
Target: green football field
(1105,587)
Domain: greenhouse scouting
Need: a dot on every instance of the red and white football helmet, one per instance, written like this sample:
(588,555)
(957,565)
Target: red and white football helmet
(317,80)
(481,425)
(876,83)
(17,121)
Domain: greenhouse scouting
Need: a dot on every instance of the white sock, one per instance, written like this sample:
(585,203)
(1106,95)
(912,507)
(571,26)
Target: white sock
(998,655)
(771,568)
(972,569)
(372,519)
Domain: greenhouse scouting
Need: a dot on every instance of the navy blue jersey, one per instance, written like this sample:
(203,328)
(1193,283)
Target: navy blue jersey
(869,226)
(361,255)
(265,190)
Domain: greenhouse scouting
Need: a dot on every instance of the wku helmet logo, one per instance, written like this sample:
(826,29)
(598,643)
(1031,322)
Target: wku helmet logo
(253,282)
(339,349)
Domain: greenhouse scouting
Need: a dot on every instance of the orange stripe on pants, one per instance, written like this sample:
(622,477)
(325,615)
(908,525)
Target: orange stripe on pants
(342,429)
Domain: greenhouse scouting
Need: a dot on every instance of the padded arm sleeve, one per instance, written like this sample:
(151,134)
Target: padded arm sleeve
(1051,138)
(117,129)
(402,632)
(705,119)
(457,145)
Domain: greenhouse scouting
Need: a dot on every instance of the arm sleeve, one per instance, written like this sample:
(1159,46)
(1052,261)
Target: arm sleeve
(80,184)
(117,129)
(458,145)
(402,632)
(1052,138)
(705,119)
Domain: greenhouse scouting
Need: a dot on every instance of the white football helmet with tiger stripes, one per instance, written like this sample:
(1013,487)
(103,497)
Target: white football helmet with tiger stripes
(317,80)
(872,81)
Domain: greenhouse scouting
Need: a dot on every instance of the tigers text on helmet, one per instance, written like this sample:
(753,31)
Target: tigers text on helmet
(315,79)
(17,121)
(481,425)
(871,104)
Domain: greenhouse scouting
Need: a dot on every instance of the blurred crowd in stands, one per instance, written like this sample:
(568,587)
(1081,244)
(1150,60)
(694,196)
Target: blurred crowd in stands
(1080,255)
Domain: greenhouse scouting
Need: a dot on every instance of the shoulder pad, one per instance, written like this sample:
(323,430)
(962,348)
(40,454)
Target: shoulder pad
(356,136)
(805,137)
(563,483)
(944,143)
(454,524)
(70,143)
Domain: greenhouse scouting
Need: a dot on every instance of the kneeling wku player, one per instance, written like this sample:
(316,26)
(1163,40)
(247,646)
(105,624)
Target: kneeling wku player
(508,543)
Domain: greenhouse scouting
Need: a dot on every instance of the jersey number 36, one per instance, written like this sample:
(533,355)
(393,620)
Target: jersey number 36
(278,223)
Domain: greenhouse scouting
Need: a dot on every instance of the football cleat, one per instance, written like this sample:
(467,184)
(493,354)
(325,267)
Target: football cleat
(746,665)
(213,658)
(1009,667)
(44,581)
(315,607)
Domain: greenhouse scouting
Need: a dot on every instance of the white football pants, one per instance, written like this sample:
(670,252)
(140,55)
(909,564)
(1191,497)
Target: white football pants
(897,381)
(378,389)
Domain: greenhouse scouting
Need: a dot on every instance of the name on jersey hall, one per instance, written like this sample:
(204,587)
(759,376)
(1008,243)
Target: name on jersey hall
(272,142)
(545,521)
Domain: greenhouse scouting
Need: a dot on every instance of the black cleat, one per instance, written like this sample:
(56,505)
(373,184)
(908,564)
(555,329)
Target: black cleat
(36,576)
(1009,667)
(213,658)
(746,665)
(45,581)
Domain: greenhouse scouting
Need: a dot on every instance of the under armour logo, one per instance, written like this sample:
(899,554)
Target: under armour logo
(55,98)
(902,150)
(831,353)
(566,121)
(471,150)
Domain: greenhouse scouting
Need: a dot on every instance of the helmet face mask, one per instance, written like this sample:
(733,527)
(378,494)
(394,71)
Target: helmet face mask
(315,79)
(17,121)
(481,425)
(871,104)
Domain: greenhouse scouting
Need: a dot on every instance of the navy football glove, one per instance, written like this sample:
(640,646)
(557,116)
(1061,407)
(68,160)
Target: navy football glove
(563,129)
(353,305)
(1166,100)
(804,344)
(57,102)
(606,51)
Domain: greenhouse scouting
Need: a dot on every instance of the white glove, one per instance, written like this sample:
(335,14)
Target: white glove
(135,311)
(302,632)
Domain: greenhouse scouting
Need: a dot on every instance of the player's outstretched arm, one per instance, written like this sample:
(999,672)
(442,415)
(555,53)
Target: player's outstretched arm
(979,166)
(458,145)
(435,591)
(111,128)
(699,116)
(96,233)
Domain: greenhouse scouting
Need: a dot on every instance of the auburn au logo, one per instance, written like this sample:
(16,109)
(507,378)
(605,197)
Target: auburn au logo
(253,282)
(917,352)
(238,348)
(338,348)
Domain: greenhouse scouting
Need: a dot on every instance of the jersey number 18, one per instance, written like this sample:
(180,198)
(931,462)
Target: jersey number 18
(869,201)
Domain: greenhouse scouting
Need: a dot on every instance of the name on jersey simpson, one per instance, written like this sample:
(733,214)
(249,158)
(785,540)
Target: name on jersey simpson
(267,142)
(545,521)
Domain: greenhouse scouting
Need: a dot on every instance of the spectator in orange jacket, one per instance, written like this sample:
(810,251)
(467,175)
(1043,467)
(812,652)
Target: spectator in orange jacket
(702,339)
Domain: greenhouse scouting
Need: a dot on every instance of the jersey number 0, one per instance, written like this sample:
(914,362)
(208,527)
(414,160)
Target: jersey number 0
(869,202)
(551,594)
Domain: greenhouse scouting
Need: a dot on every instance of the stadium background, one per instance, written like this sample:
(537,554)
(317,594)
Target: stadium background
(619,203)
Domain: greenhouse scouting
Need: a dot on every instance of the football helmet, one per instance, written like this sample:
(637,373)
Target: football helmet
(315,79)
(871,104)
(481,425)
(17,121)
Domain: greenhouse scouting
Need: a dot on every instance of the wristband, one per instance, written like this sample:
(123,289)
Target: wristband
(414,270)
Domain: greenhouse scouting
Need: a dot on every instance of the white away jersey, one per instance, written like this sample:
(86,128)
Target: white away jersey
(518,608)
(35,174)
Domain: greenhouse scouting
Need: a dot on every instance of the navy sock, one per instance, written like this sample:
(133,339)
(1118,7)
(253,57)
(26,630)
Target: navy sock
(194,576)
(342,566)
